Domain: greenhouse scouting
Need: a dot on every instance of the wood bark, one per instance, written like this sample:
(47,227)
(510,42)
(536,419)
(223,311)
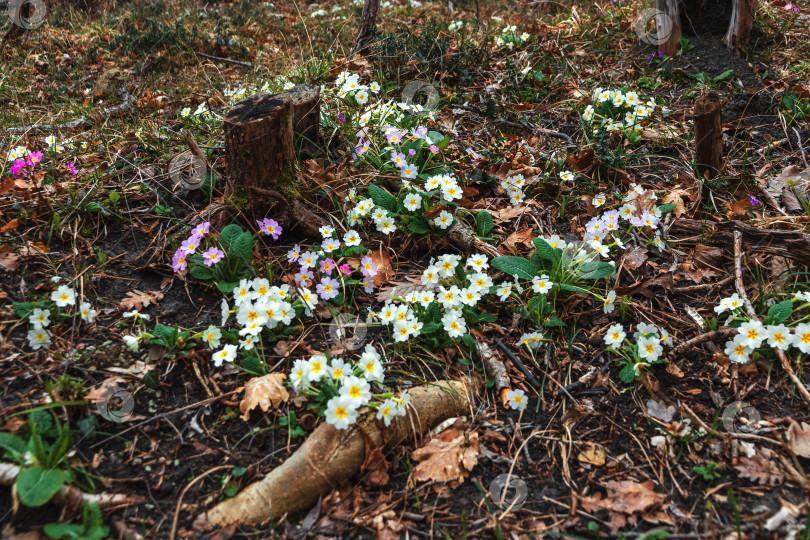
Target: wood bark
(791,244)
(668,26)
(742,21)
(305,100)
(708,135)
(329,456)
(367,25)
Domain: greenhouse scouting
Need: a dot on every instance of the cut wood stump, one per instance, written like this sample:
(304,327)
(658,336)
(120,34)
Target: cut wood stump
(708,135)
(260,151)
(668,26)
(742,21)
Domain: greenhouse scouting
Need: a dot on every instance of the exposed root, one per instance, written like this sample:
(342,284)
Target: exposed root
(329,456)
(463,237)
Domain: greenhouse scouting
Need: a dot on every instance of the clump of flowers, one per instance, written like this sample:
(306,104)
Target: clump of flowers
(341,388)
(773,333)
(509,37)
(636,357)
(617,111)
(39,314)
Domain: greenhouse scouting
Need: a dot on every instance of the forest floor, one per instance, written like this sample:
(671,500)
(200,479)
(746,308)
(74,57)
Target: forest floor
(128,367)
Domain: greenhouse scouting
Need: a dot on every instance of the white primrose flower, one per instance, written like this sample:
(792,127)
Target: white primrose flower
(517,399)
(211,336)
(64,296)
(454,324)
(38,338)
(615,336)
(318,367)
(541,284)
(40,318)
(504,291)
(649,348)
(737,349)
(357,389)
(801,339)
(341,412)
(87,312)
(226,354)
(387,411)
(610,302)
(754,333)
(444,219)
(645,330)
(532,340)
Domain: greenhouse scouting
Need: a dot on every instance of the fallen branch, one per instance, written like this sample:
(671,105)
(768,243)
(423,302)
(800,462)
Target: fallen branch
(721,333)
(221,59)
(783,359)
(791,244)
(495,368)
(72,497)
(329,456)
(90,119)
(529,377)
(463,237)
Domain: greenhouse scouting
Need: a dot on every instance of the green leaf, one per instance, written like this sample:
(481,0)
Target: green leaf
(430,327)
(484,223)
(595,270)
(23,309)
(381,197)
(243,245)
(469,341)
(201,272)
(36,485)
(545,250)
(12,443)
(516,266)
(571,288)
(669,207)
(419,225)
(229,235)
(627,374)
(162,331)
(227,286)
(253,365)
(554,321)
(779,313)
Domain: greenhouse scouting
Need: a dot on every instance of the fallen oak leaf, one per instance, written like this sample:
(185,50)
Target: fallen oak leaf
(136,299)
(447,457)
(265,392)
(799,439)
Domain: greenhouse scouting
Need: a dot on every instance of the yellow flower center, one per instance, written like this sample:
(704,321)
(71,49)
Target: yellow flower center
(355,392)
(341,412)
(739,350)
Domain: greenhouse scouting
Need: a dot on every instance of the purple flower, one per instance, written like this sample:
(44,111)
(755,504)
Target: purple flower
(18,166)
(328,288)
(201,229)
(345,270)
(367,267)
(308,259)
(179,260)
(341,117)
(327,266)
(754,201)
(330,244)
(473,154)
(411,152)
(71,167)
(660,54)
(212,256)
(190,246)
(294,253)
(398,159)
(304,277)
(34,158)
(394,136)
(368,285)
(270,227)
(420,132)
(360,150)
(434,149)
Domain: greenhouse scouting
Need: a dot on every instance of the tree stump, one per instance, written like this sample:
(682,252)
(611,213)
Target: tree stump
(260,135)
(742,21)
(708,135)
(668,26)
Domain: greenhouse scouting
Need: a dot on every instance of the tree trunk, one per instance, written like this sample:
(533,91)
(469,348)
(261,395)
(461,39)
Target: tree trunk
(742,20)
(367,25)
(668,26)
(708,135)
(260,135)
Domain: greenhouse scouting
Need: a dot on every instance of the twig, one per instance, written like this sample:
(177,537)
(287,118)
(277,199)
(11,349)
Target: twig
(704,286)
(92,118)
(532,381)
(801,148)
(783,359)
(221,59)
(495,367)
(722,333)
(524,125)
(183,494)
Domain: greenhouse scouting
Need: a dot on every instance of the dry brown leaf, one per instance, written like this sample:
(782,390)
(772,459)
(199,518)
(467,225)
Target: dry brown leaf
(447,457)
(9,260)
(136,299)
(593,454)
(265,392)
(10,226)
(522,237)
(676,197)
(384,270)
(508,214)
(624,498)
(759,469)
(636,258)
(799,439)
